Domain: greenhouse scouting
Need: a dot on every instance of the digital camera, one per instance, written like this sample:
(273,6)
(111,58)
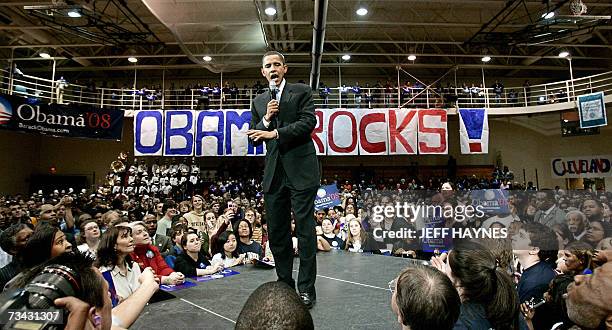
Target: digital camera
(32,307)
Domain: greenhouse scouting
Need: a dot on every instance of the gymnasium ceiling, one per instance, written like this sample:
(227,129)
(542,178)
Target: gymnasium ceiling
(176,34)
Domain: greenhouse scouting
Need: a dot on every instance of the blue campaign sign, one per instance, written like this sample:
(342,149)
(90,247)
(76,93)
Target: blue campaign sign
(492,201)
(327,196)
(32,115)
(222,274)
(171,288)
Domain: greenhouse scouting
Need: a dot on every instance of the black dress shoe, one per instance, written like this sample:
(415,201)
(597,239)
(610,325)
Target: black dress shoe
(308,300)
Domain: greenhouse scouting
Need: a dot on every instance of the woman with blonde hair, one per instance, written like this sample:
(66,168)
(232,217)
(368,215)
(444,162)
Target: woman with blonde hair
(195,217)
(196,220)
(184,207)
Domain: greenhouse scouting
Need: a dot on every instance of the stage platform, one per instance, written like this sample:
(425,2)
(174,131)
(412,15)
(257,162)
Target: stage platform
(352,293)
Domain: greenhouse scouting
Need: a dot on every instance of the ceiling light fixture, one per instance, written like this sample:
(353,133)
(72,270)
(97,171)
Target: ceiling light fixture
(411,57)
(207,58)
(361,11)
(564,54)
(74,13)
(270,11)
(486,58)
(44,54)
(548,15)
(132,59)
(346,57)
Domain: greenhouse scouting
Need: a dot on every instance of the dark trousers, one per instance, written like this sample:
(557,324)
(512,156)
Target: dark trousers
(279,201)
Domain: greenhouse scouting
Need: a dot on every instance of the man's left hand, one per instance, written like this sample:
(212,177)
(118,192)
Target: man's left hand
(257,135)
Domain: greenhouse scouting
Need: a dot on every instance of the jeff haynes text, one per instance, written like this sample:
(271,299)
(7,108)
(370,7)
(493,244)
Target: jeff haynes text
(442,233)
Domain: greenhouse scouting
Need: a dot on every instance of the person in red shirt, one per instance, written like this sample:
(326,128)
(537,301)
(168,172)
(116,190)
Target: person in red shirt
(147,255)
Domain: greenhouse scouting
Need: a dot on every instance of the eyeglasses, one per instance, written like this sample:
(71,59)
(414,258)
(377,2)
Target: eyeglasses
(392,285)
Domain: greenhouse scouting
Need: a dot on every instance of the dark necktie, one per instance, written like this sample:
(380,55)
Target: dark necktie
(274,121)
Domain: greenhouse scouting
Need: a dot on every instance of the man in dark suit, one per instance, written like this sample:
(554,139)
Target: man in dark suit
(162,242)
(548,213)
(291,175)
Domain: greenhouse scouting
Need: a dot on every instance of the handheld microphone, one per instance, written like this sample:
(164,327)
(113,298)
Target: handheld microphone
(273,87)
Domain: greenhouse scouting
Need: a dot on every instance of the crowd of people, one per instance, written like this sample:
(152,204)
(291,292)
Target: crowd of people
(139,239)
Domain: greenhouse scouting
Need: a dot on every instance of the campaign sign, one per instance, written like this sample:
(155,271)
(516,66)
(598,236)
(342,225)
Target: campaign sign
(222,274)
(492,201)
(592,110)
(338,132)
(171,288)
(327,196)
(82,121)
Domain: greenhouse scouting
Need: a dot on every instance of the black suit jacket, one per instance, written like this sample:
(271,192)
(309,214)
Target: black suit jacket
(294,149)
(163,244)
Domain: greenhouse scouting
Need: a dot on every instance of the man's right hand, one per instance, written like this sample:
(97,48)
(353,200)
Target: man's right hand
(271,110)
(78,311)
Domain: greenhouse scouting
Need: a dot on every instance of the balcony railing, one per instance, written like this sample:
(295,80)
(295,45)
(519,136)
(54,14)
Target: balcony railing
(342,97)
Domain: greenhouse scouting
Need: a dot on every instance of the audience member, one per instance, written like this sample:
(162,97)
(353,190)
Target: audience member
(229,256)
(593,209)
(534,245)
(162,242)
(548,212)
(577,257)
(195,218)
(45,243)
(589,302)
(13,240)
(165,223)
(114,258)
(245,243)
(147,255)
(328,234)
(358,240)
(424,298)
(577,224)
(192,262)
(274,305)
(488,297)
(596,231)
(89,238)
